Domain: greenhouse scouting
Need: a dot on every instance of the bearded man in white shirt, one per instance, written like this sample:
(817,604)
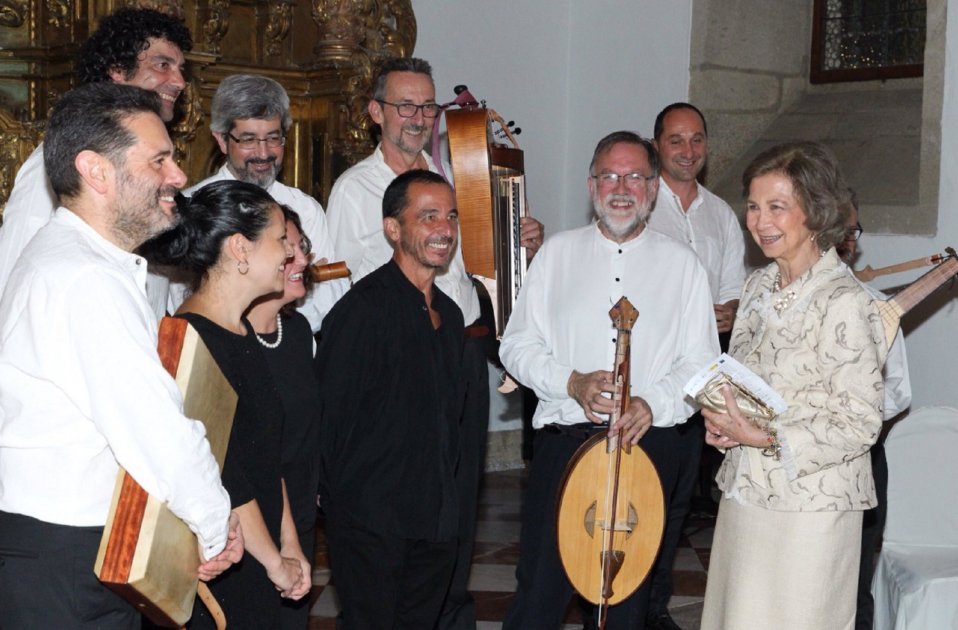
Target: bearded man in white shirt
(560,342)
(691,214)
(250,118)
(404,105)
(82,389)
(139,47)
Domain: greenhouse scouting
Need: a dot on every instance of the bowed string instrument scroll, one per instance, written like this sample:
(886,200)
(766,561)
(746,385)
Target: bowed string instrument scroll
(611,511)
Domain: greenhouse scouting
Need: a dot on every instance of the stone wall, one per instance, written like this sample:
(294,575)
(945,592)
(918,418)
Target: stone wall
(748,64)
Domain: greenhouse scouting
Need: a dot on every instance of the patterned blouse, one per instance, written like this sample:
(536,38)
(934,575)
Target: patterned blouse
(820,344)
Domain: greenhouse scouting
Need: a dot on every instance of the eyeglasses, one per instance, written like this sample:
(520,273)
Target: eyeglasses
(852,234)
(632,180)
(248,143)
(408,110)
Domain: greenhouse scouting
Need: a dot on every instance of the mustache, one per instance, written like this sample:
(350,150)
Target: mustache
(267,160)
(414,127)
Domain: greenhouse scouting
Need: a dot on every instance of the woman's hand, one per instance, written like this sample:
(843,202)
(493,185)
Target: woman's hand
(727,430)
(286,574)
(302,587)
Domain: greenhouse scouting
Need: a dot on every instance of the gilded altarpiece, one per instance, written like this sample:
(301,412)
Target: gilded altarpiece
(324,52)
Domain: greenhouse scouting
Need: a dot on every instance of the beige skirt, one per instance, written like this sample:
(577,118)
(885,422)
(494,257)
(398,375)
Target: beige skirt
(782,570)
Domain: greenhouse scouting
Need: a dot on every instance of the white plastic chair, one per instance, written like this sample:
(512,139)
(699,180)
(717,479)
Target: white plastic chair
(916,580)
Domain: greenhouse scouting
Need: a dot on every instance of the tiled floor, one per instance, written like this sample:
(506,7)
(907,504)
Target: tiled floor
(497,548)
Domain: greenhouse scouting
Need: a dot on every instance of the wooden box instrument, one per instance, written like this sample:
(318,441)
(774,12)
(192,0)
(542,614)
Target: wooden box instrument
(491,199)
(147,554)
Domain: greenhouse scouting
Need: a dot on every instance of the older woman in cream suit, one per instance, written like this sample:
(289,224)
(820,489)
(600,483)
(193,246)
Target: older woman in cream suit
(786,546)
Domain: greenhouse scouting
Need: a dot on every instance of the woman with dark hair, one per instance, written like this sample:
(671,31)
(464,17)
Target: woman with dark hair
(232,235)
(786,544)
(288,347)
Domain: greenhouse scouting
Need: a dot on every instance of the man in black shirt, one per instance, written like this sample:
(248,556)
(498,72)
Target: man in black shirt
(391,393)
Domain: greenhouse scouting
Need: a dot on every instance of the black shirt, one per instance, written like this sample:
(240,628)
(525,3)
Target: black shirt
(391,394)
(251,470)
(291,364)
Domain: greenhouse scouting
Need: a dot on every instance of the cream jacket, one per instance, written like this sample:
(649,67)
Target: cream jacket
(823,352)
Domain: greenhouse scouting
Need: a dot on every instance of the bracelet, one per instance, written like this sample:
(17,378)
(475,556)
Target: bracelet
(774,448)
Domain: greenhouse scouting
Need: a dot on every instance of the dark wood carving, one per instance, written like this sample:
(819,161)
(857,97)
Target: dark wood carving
(324,52)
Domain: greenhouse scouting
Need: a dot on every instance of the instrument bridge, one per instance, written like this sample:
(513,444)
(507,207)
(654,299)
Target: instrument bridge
(628,525)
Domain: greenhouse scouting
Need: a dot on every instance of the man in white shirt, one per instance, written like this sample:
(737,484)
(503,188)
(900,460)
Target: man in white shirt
(561,343)
(404,105)
(82,389)
(897,399)
(139,47)
(250,118)
(691,214)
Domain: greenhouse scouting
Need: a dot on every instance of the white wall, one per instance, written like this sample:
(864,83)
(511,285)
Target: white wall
(567,71)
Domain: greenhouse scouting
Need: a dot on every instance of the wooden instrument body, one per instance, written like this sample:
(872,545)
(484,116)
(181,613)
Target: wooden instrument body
(611,511)
(639,519)
(148,555)
(490,197)
(893,309)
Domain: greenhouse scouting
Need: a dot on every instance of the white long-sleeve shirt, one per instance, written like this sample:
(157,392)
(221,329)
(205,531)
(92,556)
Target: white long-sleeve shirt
(31,206)
(324,294)
(895,372)
(82,390)
(712,230)
(356,224)
(561,321)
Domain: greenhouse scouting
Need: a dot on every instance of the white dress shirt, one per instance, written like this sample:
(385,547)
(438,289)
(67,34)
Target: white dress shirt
(82,390)
(895,372)
(324,294)
(561,321)
(356,225)
(30,207)
(712,230)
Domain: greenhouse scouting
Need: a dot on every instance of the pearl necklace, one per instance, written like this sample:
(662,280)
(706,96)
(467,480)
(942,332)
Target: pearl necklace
(784,300)
(279,335)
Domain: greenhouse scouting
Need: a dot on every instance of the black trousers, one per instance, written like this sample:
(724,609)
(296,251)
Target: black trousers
(387,583)
(688,458)
(873,526)
(47,580)
(690,438)
(544,591)
(459,610)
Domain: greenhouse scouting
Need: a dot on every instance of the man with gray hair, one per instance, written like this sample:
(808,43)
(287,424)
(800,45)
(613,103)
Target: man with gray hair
(560,344)
(249,122)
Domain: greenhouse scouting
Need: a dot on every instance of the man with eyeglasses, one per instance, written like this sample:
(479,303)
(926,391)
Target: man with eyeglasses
(250,118)
(691,214)
(897,400)
(404,105)
(560,342)
(139,47)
